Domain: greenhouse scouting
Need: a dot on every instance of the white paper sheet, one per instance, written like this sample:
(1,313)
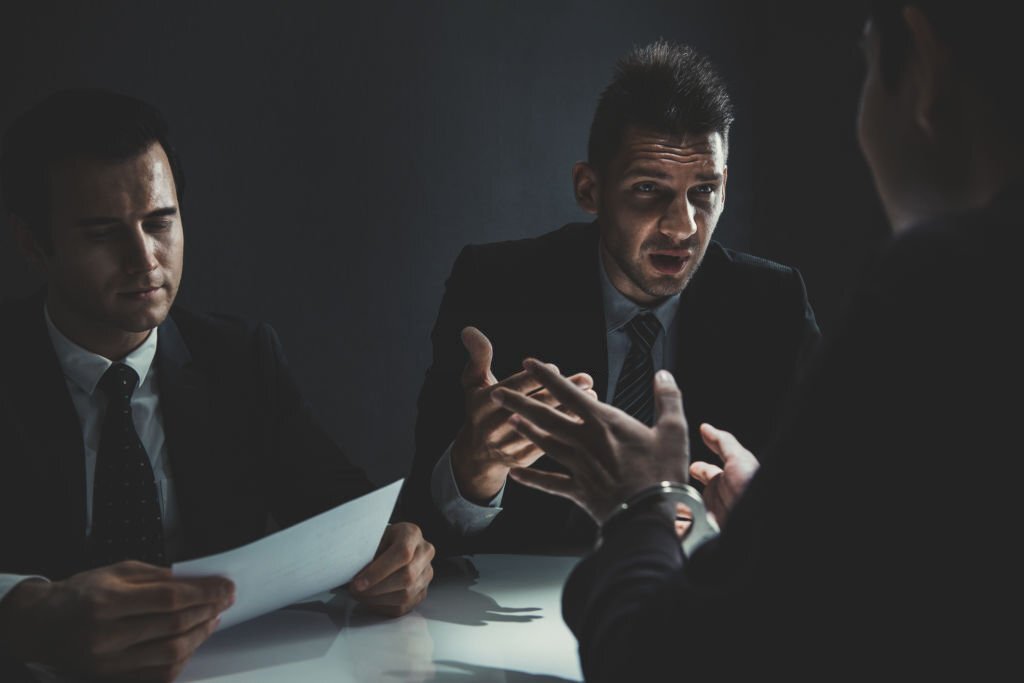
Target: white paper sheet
(313,556)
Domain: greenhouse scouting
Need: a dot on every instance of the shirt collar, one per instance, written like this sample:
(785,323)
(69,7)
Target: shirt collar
(619,309)
(85,368)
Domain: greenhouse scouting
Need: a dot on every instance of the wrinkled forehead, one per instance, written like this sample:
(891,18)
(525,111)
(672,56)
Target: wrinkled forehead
(704,152)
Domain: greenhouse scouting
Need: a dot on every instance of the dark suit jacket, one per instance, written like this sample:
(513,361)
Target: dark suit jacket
(243,445)
(745,327)
(878,535)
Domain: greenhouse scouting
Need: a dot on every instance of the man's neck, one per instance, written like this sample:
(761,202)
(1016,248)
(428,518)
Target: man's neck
(110,343)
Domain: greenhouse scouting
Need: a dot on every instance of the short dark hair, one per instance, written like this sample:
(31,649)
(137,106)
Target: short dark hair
(74,124)
(981,36)
(662,87)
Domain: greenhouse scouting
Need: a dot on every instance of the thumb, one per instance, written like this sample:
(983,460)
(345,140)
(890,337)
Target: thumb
(478,369)
(723,443)
(668,402)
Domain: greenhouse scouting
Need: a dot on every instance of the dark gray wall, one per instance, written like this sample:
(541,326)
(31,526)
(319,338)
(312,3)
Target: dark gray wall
(338,156)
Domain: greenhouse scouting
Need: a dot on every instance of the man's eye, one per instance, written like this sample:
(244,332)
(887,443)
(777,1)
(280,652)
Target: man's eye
(157,227)
(645,188)
(705,189)
(99,235)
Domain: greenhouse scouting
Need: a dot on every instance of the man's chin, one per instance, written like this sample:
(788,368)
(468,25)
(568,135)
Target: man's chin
(141,321)
(663,286)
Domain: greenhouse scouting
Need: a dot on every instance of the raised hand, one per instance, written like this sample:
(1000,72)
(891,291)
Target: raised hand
(609,455)
(723,485)
(487,446)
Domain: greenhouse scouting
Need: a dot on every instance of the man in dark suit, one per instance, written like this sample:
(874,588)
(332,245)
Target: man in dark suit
(641,288)
(876,540)
(134,433)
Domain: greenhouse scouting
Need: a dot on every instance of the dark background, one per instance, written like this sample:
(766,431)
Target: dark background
(339,155)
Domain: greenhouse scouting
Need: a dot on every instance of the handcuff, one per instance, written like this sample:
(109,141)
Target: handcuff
(703,526)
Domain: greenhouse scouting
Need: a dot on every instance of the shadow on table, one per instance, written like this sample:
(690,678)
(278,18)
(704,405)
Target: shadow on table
(293,634)
(476,672)
(451,599)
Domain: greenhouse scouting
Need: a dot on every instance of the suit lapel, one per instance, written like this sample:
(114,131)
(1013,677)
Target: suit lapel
(579,338)
(52,428)
(185,404)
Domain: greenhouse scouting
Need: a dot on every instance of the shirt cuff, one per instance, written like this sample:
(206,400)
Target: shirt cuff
(467,517)
(9,581)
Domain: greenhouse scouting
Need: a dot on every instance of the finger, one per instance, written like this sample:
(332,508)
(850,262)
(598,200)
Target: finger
(400,552)
(553,421)
(582,380)
(124,633)
(167,596)
(668,401)
(683,512)
(547,443)
(723,443)
(522,381)
(704,472)
(555,483)
(395,604)
(411,578)
(567,393)
(478,368)
(133,570)
(157,653)
(682,526)
(519,451)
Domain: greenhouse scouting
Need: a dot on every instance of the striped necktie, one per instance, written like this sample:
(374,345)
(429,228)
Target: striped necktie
(634,393)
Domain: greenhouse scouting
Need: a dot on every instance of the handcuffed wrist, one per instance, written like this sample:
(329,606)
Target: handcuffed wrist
(702,527)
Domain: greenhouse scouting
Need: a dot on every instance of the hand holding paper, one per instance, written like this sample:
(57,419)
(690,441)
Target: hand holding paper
(313,556)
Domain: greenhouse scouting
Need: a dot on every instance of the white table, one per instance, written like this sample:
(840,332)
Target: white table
(503,625)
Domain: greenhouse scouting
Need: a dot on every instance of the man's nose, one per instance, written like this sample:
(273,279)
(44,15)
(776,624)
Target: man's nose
(679,220)
(141,251)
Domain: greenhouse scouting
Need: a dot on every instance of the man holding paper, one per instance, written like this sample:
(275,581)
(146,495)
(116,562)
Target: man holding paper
(134,433)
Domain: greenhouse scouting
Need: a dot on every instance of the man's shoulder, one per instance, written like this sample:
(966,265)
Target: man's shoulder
(727,262)
(729,273)
(571,239)
(214,334)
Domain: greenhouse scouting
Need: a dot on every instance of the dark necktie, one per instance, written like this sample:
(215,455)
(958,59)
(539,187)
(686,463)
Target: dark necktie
(634,393)
(126,520)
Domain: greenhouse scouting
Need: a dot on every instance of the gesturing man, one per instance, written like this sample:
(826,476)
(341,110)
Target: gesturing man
(643,287)
(134,433)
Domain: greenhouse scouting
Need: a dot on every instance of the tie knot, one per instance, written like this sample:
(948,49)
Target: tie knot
(643,329)
(118,382)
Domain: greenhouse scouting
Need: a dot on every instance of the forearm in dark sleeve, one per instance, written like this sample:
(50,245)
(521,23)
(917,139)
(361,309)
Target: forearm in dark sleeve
(630,606)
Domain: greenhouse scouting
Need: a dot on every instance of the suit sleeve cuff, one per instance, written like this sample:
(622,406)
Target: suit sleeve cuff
(466,516)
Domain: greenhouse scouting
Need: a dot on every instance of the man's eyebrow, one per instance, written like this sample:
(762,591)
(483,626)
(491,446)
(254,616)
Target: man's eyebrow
(94,221)
(648,172)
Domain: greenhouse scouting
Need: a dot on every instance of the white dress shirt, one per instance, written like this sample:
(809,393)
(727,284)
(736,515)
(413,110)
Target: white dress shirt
(82,372)
(468,517)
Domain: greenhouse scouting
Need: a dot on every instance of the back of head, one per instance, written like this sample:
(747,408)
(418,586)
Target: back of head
(982,40)
(74,124)
(661,87)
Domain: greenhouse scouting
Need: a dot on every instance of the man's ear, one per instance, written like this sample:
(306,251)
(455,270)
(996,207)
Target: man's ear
(928,66)
(721,188)
(27,242)
(586,186)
